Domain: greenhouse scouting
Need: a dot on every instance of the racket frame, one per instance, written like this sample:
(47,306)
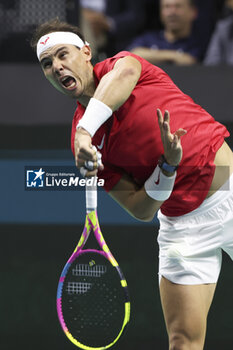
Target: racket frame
(92,224)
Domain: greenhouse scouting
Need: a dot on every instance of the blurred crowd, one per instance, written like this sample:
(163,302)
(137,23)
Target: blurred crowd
(179,32)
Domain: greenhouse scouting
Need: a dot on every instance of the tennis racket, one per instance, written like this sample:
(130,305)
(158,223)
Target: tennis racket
(92,298)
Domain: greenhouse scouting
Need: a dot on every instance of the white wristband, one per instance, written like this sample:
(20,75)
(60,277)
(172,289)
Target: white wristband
(95,115)
(159,186)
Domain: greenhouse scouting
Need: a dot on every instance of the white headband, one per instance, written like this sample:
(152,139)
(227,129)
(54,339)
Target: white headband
(51,39)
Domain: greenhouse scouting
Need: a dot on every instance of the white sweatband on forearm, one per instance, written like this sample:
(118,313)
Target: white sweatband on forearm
(95,115)
(159,186)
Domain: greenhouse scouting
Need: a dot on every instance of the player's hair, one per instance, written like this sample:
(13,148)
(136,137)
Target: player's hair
(53,25)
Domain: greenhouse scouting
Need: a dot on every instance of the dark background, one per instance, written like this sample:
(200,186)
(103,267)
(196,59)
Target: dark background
(31,261)
(39,231)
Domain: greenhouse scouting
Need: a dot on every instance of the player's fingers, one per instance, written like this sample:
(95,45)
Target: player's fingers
(166,128)
(166,116)
(87,173)
(175,140)
(82,157)
(180,132)
(160,117)
(166,121)
(91,173)
(80,160)
(175,143)
(163,123)
(91,165)
(160,121)
(87,153)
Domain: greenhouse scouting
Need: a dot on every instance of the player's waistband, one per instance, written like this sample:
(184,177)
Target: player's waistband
(209,203)
(220,195)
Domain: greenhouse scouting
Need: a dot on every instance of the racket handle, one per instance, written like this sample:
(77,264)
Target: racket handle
(91,194)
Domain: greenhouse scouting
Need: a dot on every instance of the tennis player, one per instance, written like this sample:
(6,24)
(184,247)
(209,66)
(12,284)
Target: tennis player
(147,169)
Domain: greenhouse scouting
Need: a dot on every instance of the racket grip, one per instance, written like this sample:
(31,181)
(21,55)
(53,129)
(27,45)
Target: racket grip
(91,194)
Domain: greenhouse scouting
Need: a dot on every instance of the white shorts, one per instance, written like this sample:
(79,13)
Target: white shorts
(191,245)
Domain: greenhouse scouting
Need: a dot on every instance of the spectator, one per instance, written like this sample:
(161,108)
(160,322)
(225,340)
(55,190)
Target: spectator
(208,13)
(111,25)
(175,43)
(220,50)
(203,26)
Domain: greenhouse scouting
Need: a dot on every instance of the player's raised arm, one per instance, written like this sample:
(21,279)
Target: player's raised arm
(113,90)
(116,86)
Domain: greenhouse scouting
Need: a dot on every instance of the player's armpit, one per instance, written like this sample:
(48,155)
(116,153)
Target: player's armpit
(134,199)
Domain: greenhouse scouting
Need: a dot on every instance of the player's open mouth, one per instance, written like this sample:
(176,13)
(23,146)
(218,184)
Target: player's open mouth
(68,82)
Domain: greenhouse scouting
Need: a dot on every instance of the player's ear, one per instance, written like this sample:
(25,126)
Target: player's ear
(87,52)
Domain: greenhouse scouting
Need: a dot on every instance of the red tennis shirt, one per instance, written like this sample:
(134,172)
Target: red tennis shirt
(130,140)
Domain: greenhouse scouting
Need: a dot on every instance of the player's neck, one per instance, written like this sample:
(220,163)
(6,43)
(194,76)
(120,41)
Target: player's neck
(84,100)
(88,94)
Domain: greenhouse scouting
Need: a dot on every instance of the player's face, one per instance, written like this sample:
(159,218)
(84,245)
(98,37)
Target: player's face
(176,14)
(68,68)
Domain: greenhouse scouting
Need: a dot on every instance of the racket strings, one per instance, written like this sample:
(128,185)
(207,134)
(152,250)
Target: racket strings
(89,270)
(78,287)
(86,270)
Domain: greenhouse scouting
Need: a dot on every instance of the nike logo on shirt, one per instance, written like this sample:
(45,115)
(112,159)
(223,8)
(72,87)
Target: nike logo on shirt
(102,143)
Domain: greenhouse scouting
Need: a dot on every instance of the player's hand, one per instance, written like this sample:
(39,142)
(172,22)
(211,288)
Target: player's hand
(86,154)
(171,142)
